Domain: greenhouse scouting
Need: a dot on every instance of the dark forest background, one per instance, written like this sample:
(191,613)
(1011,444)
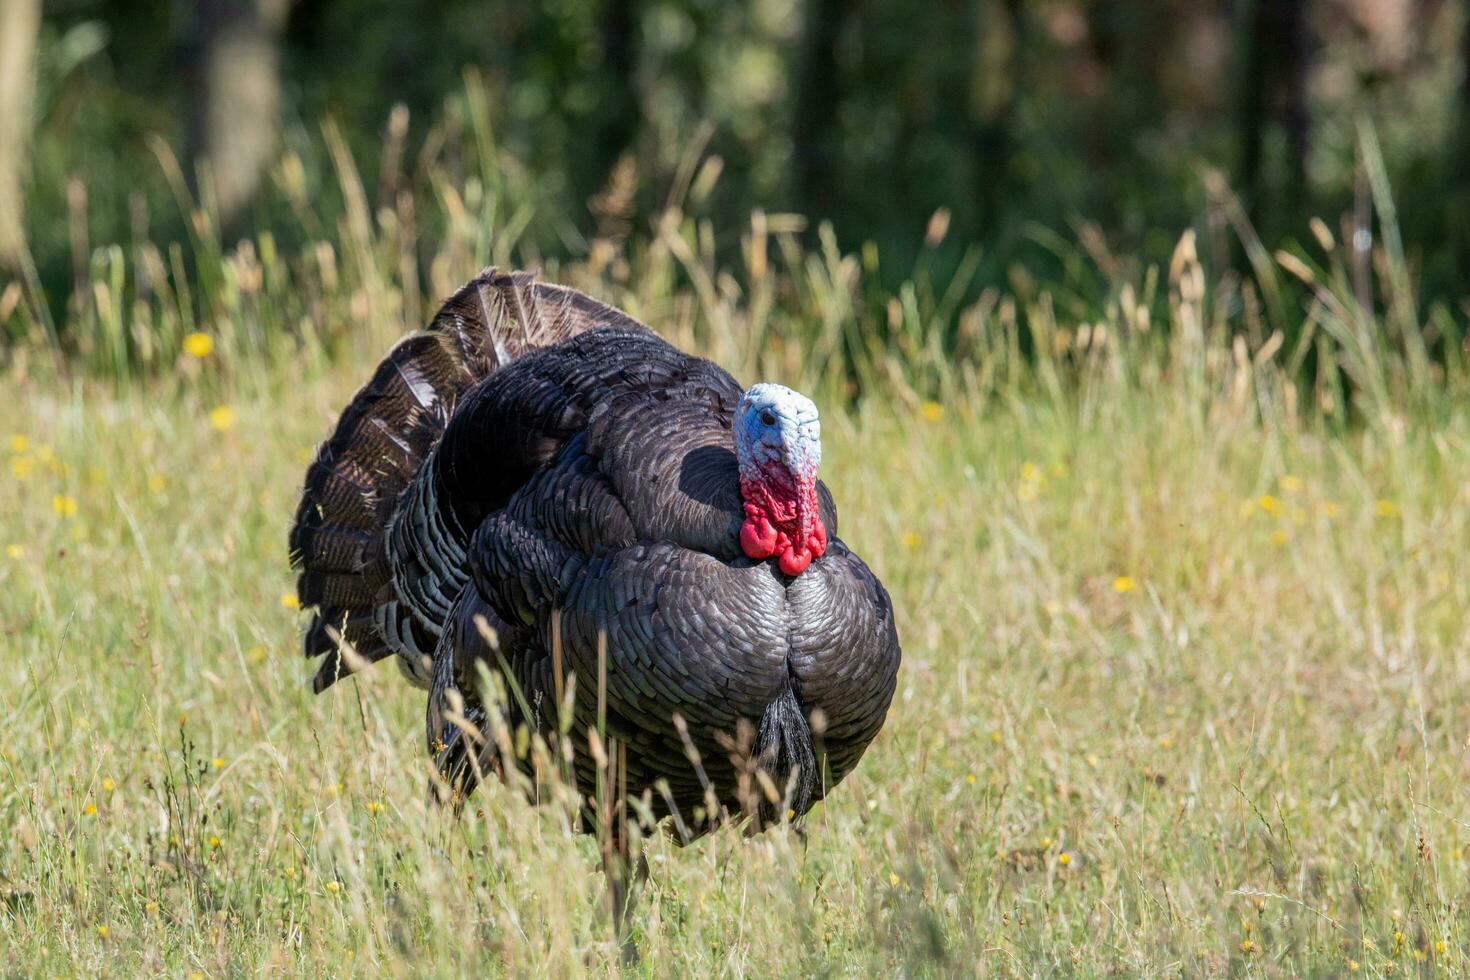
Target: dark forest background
(1112,122)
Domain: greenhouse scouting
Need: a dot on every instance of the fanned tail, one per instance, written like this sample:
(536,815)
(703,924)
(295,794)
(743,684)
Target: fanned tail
(383,437)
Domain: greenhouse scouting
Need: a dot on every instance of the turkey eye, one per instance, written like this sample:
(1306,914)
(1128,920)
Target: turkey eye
(767,418)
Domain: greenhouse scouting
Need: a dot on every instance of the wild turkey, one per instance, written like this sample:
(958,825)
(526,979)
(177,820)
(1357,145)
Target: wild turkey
(541,486)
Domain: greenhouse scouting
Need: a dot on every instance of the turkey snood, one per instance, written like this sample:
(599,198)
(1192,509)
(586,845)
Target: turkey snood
(778,441)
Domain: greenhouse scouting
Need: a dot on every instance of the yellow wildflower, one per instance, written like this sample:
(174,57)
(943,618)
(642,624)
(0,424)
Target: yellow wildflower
(213,841)
(157,482)
(108,785)
(90,809)
(1329,509)
(892,879)
(1247,508)
(911,540)
(1269,503)
(1124,583)
(374,807)
(1352,966)
(931,411)
(1386,508)
(15,551)
(1441,946)
(19,444)
(970,778)
(290,601)
(222,418)
(64,505)
(1064,859)
(256,654)
(21,467)
(1247,946)
(1291,484)
(102,932)
(217,762)
(333,887)
(199,345)
(1279,538)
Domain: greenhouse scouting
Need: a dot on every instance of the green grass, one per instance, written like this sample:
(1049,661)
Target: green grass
(1186,690)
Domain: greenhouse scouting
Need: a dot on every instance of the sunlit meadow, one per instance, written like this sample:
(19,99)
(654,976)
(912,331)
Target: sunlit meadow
(1186,686)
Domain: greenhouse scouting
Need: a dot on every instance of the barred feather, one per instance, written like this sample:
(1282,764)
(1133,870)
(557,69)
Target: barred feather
(349,574)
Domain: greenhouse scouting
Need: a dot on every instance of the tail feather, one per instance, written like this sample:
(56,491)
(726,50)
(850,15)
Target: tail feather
(358,629)
(383,437)
(342,548)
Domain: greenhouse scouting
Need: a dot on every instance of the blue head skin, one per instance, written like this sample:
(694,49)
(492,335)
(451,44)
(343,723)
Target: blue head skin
(778,442)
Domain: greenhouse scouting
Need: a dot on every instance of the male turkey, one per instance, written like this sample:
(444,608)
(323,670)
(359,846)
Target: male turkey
(539,485)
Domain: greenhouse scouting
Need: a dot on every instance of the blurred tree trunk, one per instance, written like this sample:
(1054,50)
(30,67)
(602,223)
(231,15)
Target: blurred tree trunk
(619,123)
(1459,158)
(235,56)
(816,135)
(1463,134)
(1251,48)
(1296,65)
(20,22)
(607,176)
(1110,112)
(993,97)
(1273,61)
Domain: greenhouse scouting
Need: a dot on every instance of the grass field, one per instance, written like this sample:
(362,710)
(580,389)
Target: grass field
(1186,686)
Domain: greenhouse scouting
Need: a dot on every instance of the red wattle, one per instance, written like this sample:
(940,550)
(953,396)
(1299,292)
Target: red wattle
(795,562)
(758,537)
(781,518)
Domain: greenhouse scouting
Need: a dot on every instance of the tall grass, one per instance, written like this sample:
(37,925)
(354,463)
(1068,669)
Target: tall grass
(1180,588)
(346,266)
